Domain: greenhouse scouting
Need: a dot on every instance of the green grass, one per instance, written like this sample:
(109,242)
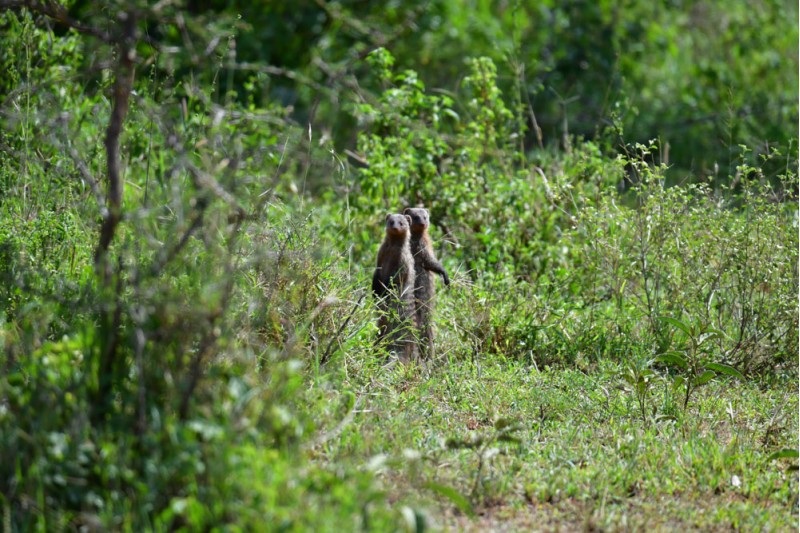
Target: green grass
(584,456)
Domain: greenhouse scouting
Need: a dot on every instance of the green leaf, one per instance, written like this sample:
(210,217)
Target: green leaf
(449,112)
(629,375)
(679,382)
(455,497)
(725,369)
(673,358)
(788,453)
(678,324)
(704,378)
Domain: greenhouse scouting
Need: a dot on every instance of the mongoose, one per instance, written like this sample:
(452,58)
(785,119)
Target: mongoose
(393,285)
(425,265)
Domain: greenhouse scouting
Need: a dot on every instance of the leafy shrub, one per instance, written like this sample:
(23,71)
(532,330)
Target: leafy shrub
(701,253)
(131,396)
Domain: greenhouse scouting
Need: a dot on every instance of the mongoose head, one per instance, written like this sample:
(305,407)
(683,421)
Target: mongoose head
(397,225)
(420,219)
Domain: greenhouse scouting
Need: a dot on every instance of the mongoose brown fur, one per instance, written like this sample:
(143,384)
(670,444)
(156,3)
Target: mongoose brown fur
(393,285)
(425,265)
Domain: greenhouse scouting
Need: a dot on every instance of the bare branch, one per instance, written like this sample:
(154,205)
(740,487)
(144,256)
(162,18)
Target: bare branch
(122,92)
(123,85)
(206,181)
(167,256)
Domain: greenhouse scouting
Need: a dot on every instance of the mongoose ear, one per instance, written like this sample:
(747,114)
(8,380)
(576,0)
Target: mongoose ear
(406,210)
(409,219)
(387,217)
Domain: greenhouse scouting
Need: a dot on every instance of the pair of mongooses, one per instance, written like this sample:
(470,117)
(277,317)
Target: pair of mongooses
(404,284)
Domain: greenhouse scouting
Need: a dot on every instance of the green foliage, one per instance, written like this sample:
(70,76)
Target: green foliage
(506,213)
(189,418)
(217,368)
(703,77)
(701,253)
(639,377)
(692,362)
(582,452)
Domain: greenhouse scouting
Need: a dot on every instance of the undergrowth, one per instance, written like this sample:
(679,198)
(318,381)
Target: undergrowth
(215,365)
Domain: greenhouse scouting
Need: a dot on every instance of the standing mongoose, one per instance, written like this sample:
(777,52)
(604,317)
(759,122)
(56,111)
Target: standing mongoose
(425,265)
(393,285)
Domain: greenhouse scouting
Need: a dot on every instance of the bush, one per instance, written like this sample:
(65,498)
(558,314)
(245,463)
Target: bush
(190,372)
(698,253)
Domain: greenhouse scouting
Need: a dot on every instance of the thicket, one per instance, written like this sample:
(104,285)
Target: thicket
(172,346)
(702,77)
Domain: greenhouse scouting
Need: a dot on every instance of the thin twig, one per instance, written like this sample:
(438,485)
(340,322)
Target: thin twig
(167,257)
(327,354)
